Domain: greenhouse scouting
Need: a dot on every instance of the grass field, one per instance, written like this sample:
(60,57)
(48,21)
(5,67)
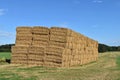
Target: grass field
(6,55)
(106,68)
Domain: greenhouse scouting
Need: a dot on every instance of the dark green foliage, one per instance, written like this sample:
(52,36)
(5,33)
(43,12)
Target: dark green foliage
(6,48)
(105,48)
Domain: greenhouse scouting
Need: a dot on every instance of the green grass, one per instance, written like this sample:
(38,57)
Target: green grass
(118,62)
(105,68)
(6,55)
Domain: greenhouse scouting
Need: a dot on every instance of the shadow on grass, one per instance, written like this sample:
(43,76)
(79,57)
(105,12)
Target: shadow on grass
(8,60)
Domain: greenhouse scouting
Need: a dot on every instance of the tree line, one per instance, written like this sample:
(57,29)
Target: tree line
(101,48)
(6,47)
(105,48)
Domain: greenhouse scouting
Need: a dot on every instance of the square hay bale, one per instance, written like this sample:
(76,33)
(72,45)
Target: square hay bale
(62,39)
(39,43)
(71,46)
(52,64)
(23,43)
(20,49)
(53,60)
(57,51)
(19,38)
(19,55)
(54,50)
(39,63)
(37,37)
(57,44)
(60,31)
(33,57)
(24,30)
(51,56)
(40,58)
(24,37)
(32,62)
(36,50)
(40,30)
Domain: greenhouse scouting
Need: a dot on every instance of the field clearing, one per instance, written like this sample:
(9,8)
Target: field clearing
(107,67)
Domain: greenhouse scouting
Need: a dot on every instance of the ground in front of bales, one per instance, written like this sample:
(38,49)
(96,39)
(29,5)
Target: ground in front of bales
(106,68)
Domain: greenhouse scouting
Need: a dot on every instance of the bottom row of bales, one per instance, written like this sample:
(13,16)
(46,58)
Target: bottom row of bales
(50,56)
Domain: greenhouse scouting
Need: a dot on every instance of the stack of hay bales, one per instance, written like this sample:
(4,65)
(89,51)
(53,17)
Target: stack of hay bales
(56,47)
(68,48)
(58,53)
(21,49)
(40,41)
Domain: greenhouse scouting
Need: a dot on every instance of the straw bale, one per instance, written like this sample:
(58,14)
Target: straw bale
(72,46)
(23,42)
(19,55)
(24,29)
(63,39)
(19,58)
(32,56)
(53,54)
(40,58)
(19,49)
(39,43)
(41,37)
(38,63)
(53,57)
(67,52)
(53,60)
(37,53)
(57,44)
(40,30)
(60,31)
(31,62)
(23,38)
(63,32)
(24,35)
(19,62)
(58,38)
(54,49)
(24,32)
(36,50)
(52,64)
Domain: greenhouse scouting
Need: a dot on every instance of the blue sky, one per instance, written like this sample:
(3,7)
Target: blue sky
(97,19)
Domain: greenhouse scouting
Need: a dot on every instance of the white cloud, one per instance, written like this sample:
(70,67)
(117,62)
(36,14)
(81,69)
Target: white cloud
(2,12)
(64,24)
(117,41)
(97,1)
(6,34)
(113,42)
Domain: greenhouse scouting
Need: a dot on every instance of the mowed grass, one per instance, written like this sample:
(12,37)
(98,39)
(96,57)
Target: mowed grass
(6,55)
(107,67)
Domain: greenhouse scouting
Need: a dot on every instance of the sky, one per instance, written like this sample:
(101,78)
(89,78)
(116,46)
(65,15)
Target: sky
(97,19)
